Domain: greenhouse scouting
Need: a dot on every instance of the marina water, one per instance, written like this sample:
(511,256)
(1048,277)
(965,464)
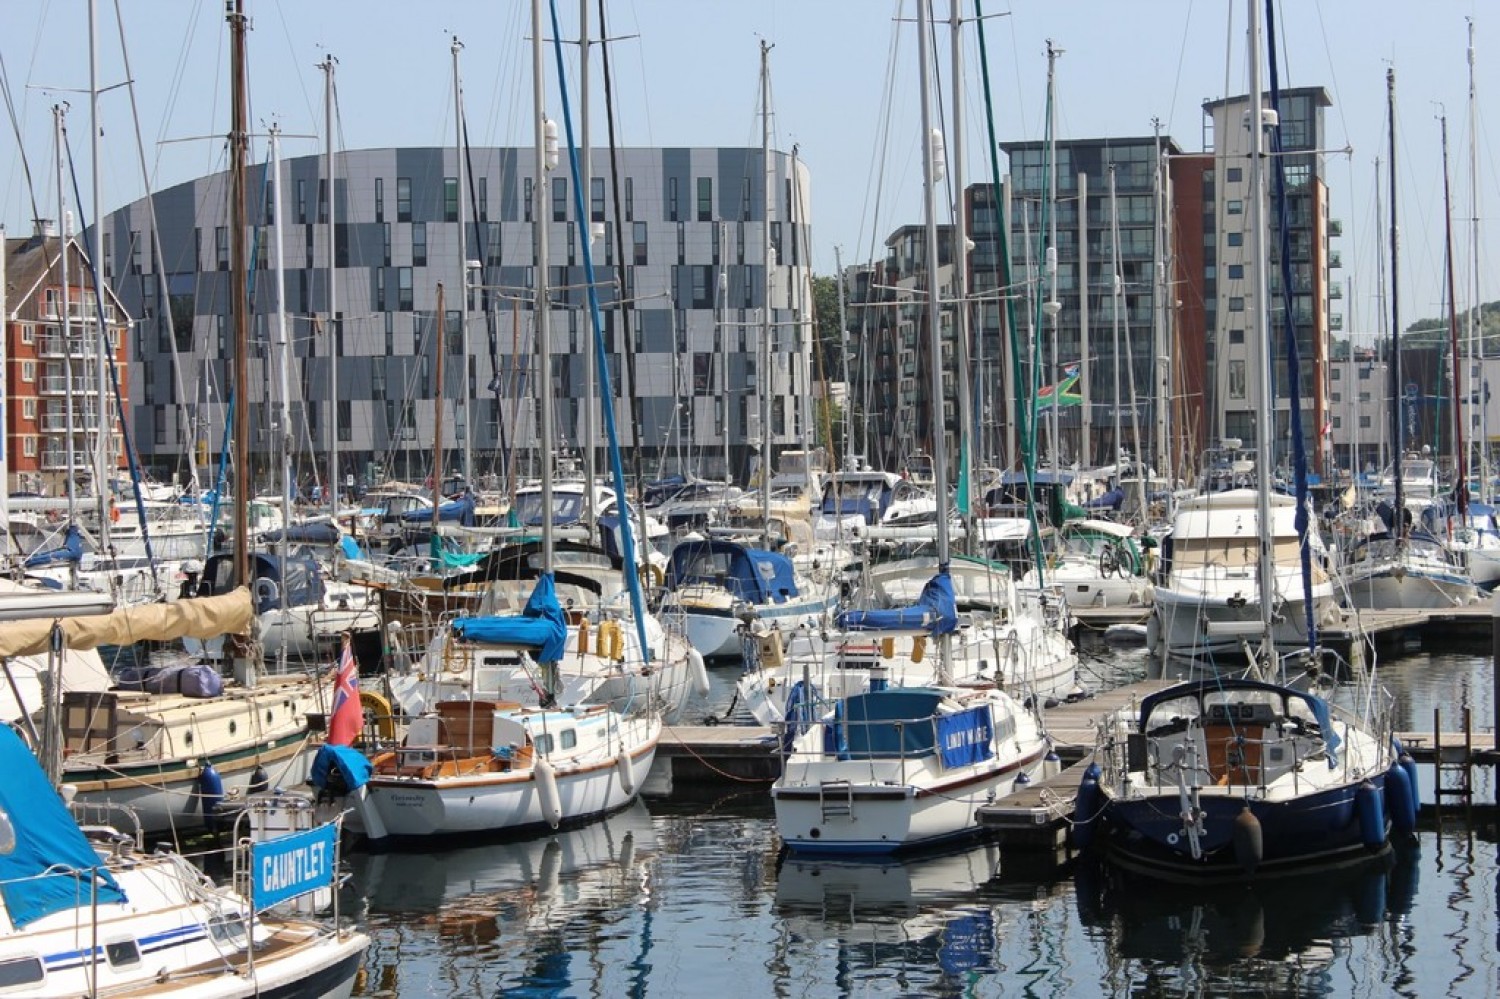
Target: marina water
(692,898)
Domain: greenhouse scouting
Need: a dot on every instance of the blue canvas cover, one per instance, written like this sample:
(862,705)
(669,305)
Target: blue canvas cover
(71,550)
(459,511)
(319,532)
(540,625)
(350,763)
(53,865)
(883,724)
(750,574)
(965,738)
(935,612)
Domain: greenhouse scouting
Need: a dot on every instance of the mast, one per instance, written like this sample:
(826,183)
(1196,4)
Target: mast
(723,285)
(239,143)
(588,434)
(437,418)
(1476,324)
(546,148)
(283,350)
(1265,424)
(1398,438)
(1052,306)
(102,449)
(333,321)
(960,281)
(763,382)
(1461,494)
(1161,370)
(934,330)
(59,113)
(1116,294)
(467,450)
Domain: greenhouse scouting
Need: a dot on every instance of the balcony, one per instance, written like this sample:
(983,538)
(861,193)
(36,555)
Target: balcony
(1335,260)
(58,385)
(57,460)
(57,423)
(57,346)
(1335,291)
(1335,323)
(1335,227)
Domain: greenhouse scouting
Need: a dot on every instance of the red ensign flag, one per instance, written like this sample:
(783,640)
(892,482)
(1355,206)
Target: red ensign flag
(347,717)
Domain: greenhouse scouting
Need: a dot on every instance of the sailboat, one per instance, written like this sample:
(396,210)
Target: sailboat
(897,768)
(475,767)
(1233,777)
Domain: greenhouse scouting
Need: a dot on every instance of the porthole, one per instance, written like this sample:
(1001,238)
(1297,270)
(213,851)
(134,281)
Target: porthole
(234,727)
(187,738)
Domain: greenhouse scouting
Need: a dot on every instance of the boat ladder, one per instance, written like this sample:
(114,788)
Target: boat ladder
(841,805)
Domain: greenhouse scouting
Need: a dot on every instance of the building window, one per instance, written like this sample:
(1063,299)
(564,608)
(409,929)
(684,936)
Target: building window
(301,202)
(379,289)
(1235,238)
(450,199)
(390,339)
(377,378)
(671,199)
(1236,272)
(745,199)
(1236,336)
(135,251)
(28,371)
(379,199)
(1237,379)
(28,333)
(322,201)
(638,241)
(28,447)
(484,199)
(1234,175)
(705,199)
(596,199)
(221,248)
(346,431)
(1237,304)
(385,236)
(419,244)
(403,199)
(403,289)
(681,243)
(28,408)
(1234,208)
(629,199)
(559,199)
(1364,423)
(527,195)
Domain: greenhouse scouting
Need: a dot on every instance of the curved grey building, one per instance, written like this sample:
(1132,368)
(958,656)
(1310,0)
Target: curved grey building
(689,271)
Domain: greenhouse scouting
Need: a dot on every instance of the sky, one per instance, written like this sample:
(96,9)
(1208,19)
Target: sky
(844,92)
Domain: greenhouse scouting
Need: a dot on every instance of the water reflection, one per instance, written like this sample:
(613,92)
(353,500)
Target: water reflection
(1279,936)
(476,920)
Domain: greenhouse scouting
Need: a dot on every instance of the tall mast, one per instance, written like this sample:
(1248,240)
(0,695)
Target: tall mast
(546,136)
(239,144)
(437,416)
(1161,371)
(283,351)
(1476,325)
(723,286)
(966,442)
(1116,301)
(1053,307)
(934,318)
(1265,424)
(1398,439)
(589,432)
(1461,493)
(466,402)
(333,321)
(59,113)
(103,452)
(763,382)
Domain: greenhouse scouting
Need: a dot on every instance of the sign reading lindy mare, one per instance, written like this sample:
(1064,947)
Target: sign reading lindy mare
(292,865)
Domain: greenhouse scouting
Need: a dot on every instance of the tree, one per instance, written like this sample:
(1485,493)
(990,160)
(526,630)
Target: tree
(827,337)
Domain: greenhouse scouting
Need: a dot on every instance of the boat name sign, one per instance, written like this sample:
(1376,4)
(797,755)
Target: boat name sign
(293,865)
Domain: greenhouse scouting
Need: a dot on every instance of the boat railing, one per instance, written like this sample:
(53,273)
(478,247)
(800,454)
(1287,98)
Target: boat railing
(108,821)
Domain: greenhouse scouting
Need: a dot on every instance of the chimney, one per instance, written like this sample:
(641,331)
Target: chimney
(44,228)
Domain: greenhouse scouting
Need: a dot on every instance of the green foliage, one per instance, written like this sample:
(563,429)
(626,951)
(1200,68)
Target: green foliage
(1433,332)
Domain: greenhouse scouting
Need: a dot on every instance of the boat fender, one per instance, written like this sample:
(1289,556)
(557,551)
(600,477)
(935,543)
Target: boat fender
(210,794)
(260,782)
(1153,634)
(699,672)
(1399,800)
(1086,807)
(918,648)
(1371,810)
(1410,766)
(627,776)
(1052,764)
(546,789)
(1249,840)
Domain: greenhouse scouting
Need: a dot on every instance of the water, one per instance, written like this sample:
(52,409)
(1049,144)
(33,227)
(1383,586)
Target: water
(692,899)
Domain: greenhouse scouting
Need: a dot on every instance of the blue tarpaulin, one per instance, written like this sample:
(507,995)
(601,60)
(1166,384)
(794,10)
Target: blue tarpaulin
(350,763)
(935,612)
(883,724)
(540,625)
(750,574)
(460,510)
(52,867)
(71,550)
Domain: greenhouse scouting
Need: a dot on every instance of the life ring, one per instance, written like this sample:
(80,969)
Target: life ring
(377,712)
(652,575)
(266,591)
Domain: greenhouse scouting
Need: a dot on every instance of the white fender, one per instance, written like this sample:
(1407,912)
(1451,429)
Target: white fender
(699,672)
(627,776)
(551,868)
(546,789)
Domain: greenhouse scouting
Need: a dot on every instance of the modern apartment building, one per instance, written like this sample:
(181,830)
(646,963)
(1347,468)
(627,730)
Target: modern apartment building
(683,293)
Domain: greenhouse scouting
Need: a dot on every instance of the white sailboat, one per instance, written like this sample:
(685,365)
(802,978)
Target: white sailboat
(899,768)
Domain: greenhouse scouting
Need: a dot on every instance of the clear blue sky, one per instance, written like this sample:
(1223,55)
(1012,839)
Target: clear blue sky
(844,88)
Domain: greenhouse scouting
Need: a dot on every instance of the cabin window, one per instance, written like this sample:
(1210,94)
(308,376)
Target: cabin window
(20,971)
(569,738)
(122,953)
(544,744)
(227,929)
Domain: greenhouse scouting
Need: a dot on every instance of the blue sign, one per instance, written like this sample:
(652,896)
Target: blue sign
(292,865)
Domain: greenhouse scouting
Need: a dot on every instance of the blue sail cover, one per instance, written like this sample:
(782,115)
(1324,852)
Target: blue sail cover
(750,574)
(459,511)
(540,625)
(883,724)
(935,612)
(71,550)
(51,868)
